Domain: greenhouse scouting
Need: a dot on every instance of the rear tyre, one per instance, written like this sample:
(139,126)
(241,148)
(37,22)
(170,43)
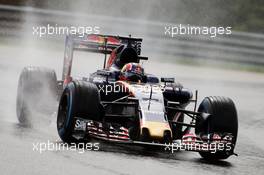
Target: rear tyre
(36,93)
(79,99)
(223,119)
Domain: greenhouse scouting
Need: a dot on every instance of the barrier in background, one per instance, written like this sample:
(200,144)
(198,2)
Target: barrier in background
(239,47)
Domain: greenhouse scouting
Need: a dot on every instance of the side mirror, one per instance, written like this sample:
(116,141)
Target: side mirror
(167,80)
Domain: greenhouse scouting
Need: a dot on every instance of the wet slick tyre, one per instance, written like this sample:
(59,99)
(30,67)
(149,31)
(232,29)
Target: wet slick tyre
(36,94)
(79,99)
(223,119)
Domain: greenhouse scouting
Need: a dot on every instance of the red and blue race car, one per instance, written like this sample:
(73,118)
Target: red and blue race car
(122,103)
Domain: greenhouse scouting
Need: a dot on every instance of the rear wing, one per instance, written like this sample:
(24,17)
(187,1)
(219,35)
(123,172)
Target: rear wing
(96,43)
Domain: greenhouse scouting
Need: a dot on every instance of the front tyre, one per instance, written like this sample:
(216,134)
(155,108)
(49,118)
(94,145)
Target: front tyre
(79,99)
(223,119)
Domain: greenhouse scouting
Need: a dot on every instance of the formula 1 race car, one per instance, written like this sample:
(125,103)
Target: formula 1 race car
(124,104)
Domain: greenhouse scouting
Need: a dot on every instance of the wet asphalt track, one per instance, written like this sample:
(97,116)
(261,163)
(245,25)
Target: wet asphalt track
(16,142)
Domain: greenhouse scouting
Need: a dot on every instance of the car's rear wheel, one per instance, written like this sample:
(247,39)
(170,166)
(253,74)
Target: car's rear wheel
(36,93)
(79,99)
(223,119)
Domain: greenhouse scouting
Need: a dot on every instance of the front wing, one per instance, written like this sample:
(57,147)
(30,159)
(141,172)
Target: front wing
(118,134)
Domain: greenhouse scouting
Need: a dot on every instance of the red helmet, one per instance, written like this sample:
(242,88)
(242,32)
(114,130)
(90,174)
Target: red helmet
(132,72)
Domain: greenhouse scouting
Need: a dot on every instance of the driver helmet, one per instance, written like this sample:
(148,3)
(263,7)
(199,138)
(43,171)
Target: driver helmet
(132,72)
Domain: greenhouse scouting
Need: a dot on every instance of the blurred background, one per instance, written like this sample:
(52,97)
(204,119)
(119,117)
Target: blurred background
(242,15)
(244,49)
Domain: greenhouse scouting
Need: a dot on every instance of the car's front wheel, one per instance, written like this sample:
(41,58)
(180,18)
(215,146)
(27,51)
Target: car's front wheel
(223,119)
(79,99)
